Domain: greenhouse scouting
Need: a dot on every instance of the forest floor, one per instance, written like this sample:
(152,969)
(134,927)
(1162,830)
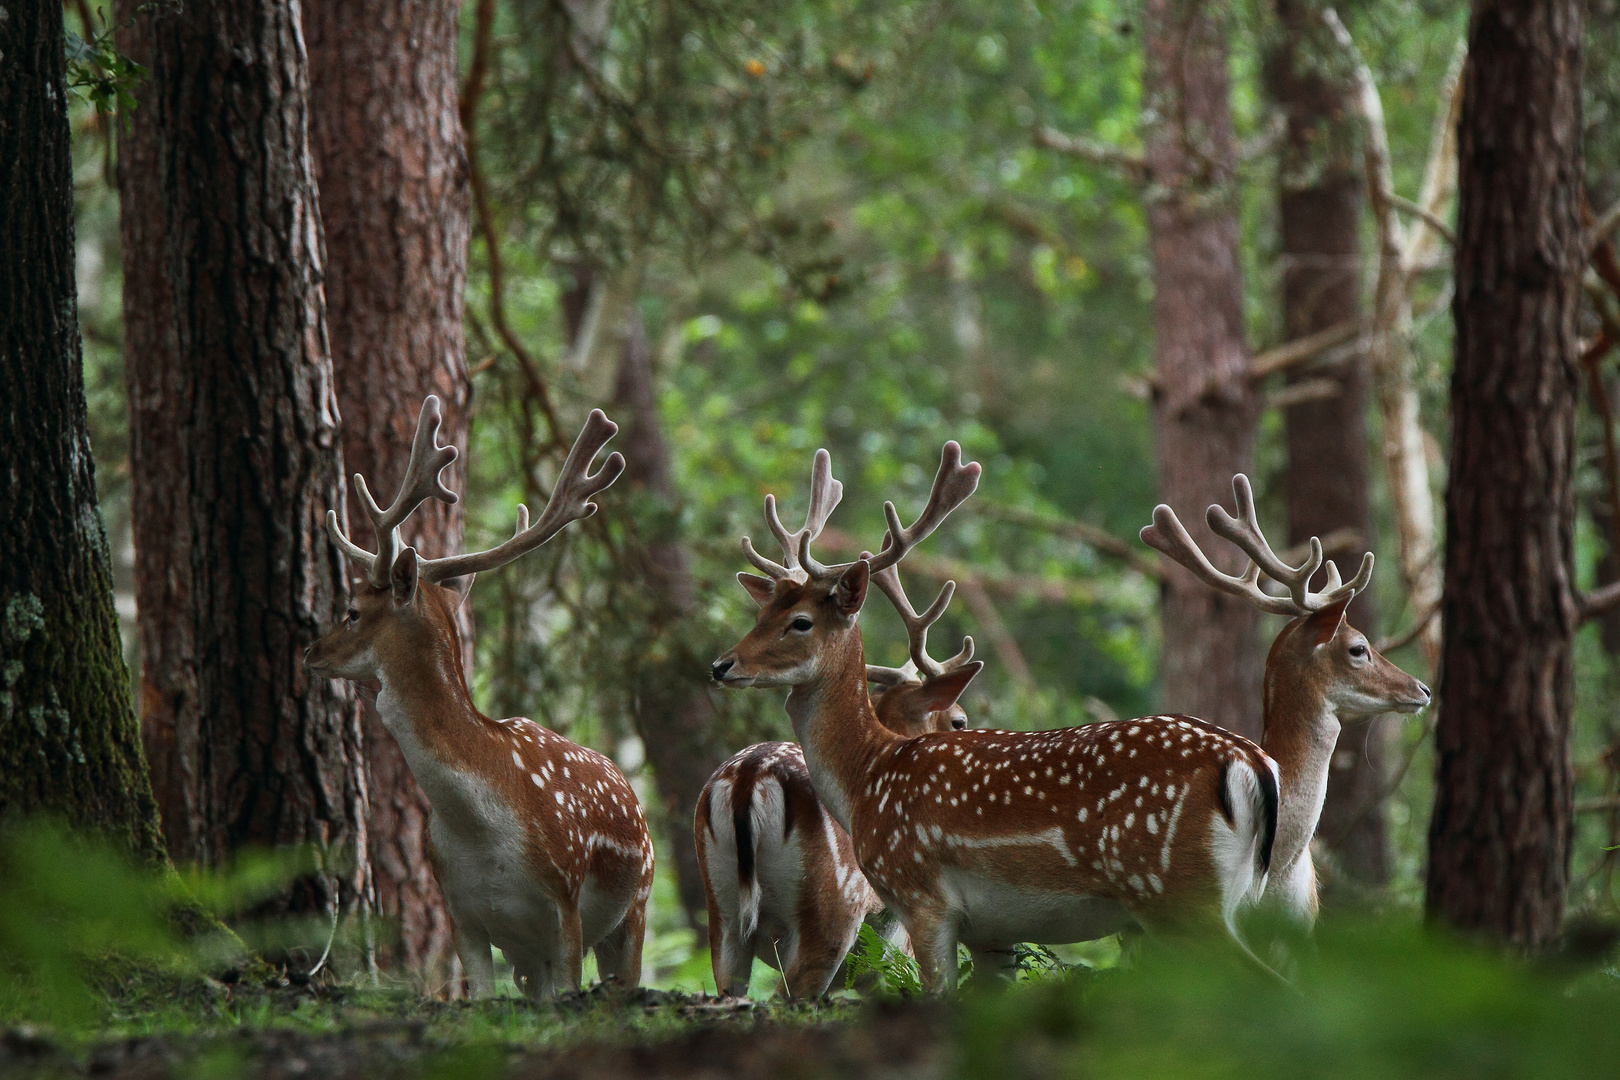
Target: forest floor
(285,1032)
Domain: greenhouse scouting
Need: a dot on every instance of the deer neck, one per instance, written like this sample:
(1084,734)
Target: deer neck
(1300,730)
(837,727)
(425,706)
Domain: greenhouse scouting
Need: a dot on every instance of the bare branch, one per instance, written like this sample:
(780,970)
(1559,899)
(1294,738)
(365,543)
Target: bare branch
(1298,393)
(1410,634)
(1302,349)
(1099,538)
(1098,153)
(1432,220)
(1605,225)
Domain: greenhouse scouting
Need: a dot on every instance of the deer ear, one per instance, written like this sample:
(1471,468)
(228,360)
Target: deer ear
(461,587)
(402,578)
(1322,626)
(850,592)
(942,691)
(761,589)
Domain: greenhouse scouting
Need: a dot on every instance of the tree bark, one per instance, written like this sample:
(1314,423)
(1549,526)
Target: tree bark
(234,448)
(673,711)
(69,741)
(385,135)
(1319,208)
(1499,837)
(1205,405)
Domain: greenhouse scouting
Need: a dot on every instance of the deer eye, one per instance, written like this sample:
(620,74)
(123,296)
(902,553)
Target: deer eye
(801,623)
(1359,650)
(353,615)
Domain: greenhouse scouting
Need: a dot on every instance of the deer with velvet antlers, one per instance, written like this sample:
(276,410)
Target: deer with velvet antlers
(779,874)
(992,838)
(539,844)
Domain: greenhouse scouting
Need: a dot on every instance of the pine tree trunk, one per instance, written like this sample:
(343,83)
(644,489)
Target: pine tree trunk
(1204,405)
(234,447)
(385,135)
(674,713)
(1327,482)
(1499,837)
(69,742)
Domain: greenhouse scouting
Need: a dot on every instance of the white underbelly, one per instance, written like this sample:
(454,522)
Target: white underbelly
(996,914)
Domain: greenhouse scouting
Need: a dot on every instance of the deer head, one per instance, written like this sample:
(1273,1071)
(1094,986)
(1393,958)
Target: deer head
(406,604)
(921,696)
(808,611)
(1318,654)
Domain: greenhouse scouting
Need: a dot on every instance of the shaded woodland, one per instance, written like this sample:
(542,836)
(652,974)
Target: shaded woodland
(1119,251)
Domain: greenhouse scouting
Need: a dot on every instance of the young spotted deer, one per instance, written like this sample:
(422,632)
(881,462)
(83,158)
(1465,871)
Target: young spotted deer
(991,838)
(539,844)
(779,874)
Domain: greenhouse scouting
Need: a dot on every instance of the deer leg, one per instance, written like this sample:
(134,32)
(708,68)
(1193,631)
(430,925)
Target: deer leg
(570,959)
(993,967)
(618,955)
(933,942)
(472,946)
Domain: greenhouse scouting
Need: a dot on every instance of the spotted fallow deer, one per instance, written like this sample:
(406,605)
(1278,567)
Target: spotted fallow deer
(991,838)
(779,874)
(539,844)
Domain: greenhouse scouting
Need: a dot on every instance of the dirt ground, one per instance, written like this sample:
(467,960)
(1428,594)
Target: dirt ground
(697,1038)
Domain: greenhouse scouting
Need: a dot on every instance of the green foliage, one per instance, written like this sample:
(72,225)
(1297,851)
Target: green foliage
(891,971)
(1378,999)
(78,919)
(101,75)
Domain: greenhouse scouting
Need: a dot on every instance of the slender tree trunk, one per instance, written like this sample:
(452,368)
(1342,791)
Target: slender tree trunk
(69,742)
(234,447)
(1205,405)
(386,139)
(1499,838)
(673,710)
(1320,210)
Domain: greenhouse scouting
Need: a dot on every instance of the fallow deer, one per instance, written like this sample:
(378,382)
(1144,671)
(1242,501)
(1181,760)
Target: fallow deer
(992,838)
(539,844)
(779,874)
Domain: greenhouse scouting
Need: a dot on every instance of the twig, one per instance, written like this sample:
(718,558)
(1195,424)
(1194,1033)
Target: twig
(1606,223)
(1299,350)
(1001,639)
(942,568)
(1099,538)
(1433,220)
(1410,634)
(1606,804)
(472,90)
(1134,166)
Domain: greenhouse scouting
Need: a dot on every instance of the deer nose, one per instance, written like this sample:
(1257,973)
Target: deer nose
(719,668)
(1427,693)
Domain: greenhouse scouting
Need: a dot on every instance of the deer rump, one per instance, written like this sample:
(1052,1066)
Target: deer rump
(780,874)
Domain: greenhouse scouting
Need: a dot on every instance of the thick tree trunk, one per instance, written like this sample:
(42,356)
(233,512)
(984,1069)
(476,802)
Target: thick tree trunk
(385,135)
(234,447)
(69,742)
(1205,405)
(1327,482)
(1499,838)
(674,713)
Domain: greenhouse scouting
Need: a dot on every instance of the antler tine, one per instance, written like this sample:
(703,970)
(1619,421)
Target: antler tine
(421,482)
(570,501)
(1169,536)
(354,551)
(1244,531)
(952,485)
(888,581)
(825,494)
